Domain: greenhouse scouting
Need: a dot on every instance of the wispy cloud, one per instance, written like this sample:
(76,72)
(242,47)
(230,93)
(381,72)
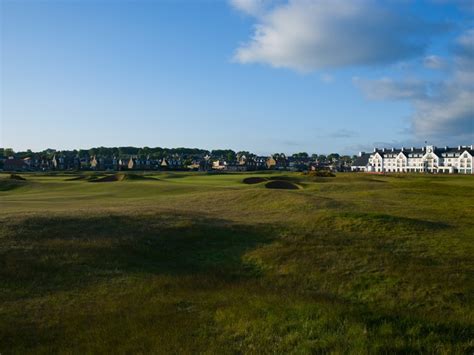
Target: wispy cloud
(434,62)
(441,109)
(389,89)
(326,78)
(251,7)
(308,35)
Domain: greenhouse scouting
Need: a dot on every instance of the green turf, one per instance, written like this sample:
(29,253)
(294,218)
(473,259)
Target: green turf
(203,263)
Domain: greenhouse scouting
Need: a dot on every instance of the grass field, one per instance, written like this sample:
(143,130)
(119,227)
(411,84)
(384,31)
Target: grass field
(202,263)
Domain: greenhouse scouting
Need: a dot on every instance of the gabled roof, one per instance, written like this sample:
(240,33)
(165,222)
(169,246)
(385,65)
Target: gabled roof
(395,152)
(409,152)
(363,160)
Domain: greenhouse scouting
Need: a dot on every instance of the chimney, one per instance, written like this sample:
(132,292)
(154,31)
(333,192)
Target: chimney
(459,147)
(375,149)
(383,150)
(360,153)
(403,148)
(412,149)
(393,149)
(446,147)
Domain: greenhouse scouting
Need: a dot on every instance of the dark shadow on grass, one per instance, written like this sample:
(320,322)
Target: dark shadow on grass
(60,252)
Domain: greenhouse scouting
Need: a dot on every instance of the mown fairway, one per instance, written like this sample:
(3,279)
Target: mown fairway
(182,263)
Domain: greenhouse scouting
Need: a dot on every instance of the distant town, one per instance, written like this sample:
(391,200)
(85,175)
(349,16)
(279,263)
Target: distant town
(132,158)
(429,159)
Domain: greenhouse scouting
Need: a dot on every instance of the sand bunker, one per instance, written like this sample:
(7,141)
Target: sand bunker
(281,184)
(254,180)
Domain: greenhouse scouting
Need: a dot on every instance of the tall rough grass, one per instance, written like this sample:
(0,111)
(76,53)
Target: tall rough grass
(202,263)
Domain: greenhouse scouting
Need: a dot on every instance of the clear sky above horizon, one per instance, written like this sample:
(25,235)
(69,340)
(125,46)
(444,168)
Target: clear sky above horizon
(266,76)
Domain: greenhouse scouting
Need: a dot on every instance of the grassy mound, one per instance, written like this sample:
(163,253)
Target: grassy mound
(121,177)
(254,180)
(110,178)
(137,177)
(321,173)
(7,184)
(291,178)
(80,177)
(281,184)
(16,177)
(11,182)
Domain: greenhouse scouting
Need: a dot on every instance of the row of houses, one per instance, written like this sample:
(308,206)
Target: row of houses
(204,163)
(85,163)
(428,159)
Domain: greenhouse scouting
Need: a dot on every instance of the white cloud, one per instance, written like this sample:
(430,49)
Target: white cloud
(308,35)
(465,52)
(451,113)
(451,110)
(443,109)
(317,35)
(389,89)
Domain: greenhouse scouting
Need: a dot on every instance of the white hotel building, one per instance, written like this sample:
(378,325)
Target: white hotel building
(429,159)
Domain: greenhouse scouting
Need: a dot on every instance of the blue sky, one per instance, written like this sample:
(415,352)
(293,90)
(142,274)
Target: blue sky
(267,76)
